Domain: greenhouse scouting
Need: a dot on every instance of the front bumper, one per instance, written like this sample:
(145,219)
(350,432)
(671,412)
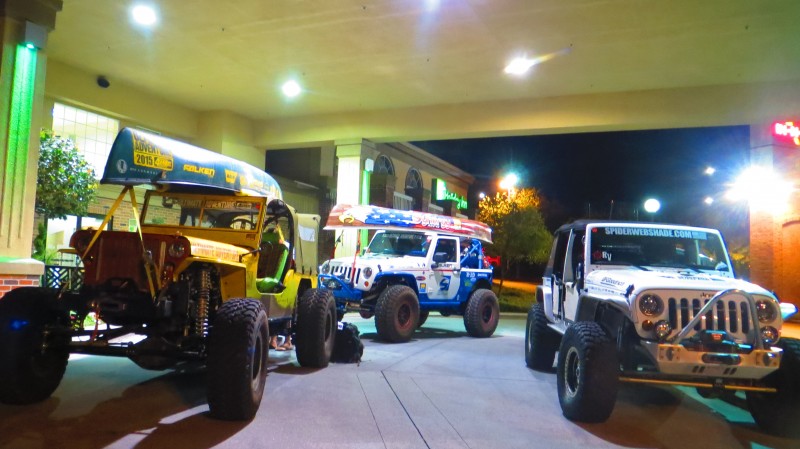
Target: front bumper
(343,291)
(675,359)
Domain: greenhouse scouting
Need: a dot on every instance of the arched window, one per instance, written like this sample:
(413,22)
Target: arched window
(383,165)
(413,179)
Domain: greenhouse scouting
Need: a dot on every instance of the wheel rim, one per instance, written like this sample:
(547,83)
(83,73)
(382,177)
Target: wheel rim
(572,372)
(404,316)
(258,360)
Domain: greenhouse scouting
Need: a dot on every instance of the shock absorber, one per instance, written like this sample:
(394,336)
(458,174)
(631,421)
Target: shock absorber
(203,300)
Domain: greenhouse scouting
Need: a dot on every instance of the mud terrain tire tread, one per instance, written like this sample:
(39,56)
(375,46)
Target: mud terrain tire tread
(587,373)
(778,413)
(26,375)
(237,360)
(397,314)
(541,342)
(482,313)
(316,328)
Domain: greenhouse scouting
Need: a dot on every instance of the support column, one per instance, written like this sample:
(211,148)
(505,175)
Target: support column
(23,28)
(349,185)
(774,246)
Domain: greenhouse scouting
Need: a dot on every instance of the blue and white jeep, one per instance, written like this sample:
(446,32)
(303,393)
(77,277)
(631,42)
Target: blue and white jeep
(408,271)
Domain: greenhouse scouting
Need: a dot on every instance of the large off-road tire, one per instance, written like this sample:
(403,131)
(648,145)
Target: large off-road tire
(237,360)
(541,342)
(482,313)
(587,373)
(397,314)
(315,332)
(779,413)
(423,317)
(32,362)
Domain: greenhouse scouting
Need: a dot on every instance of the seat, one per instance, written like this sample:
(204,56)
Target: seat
(271,262)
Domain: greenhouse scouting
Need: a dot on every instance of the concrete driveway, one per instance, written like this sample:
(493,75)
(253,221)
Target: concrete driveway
(442,390)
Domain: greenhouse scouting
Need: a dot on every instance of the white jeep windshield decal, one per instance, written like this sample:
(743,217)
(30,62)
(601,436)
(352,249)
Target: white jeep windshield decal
(656,232)
(658,247)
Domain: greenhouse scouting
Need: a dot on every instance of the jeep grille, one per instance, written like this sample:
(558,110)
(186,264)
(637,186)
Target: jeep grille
(732,315)
(344,272)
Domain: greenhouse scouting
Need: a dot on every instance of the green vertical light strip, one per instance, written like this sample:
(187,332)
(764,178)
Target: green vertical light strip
(19,129)
(364,234)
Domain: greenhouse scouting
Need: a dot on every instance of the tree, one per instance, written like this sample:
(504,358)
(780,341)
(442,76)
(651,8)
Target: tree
(66,183)
(518,229)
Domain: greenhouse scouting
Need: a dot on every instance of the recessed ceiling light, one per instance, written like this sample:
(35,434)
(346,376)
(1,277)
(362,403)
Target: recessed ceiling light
(519,66)
(144,15)
(291,89)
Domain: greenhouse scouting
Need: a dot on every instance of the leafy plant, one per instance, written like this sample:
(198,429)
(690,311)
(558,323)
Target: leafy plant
(519,232)
(66,184)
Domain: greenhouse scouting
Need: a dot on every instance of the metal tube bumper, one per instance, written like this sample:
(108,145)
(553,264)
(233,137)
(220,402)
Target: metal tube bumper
(674,359)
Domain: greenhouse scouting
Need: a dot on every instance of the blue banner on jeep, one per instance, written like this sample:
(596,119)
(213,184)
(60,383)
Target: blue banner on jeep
(139,157)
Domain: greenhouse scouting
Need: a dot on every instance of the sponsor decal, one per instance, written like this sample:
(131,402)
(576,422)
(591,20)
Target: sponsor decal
(657,232)
(230,176)
(444,284)
(610,281)
(145,154)
(200,170)
(122,166)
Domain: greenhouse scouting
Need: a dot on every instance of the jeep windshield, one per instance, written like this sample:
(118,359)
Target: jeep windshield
(643,246)
(201,211)
(395,243)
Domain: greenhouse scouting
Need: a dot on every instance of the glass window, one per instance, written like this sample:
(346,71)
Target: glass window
(92,133)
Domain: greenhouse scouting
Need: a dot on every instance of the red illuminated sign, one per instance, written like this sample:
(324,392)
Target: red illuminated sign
(786,131)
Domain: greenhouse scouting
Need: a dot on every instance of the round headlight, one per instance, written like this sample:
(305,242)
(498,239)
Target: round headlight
(651,305)
(767,310)
(662,330)
(325,268)
(769,335)
(177,250)
(368,272)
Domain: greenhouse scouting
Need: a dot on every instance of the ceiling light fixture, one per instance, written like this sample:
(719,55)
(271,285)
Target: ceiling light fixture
(519,66)
(291,89)
(144,15)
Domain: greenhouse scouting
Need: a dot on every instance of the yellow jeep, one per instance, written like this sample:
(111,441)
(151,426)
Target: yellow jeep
(215,263)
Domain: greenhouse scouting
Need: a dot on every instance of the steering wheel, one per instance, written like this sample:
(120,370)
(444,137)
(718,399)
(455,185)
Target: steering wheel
(242,223)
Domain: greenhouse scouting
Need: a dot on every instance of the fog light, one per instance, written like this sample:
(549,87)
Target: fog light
(663,330)
(647,325)
(332,284)
(769,335)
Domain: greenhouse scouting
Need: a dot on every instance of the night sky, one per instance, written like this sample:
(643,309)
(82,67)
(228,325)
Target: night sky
(582,173)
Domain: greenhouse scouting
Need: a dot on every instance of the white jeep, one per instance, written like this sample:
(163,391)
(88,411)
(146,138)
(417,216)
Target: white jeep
(656,303)
(415,263)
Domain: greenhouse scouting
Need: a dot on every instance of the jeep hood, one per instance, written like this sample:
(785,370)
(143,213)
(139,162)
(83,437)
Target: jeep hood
(619,281)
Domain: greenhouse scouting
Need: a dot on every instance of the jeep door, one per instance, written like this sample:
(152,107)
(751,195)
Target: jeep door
(446,269)
(574,266)
(561,274)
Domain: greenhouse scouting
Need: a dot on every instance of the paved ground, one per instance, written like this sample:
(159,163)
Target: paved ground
(442,390)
